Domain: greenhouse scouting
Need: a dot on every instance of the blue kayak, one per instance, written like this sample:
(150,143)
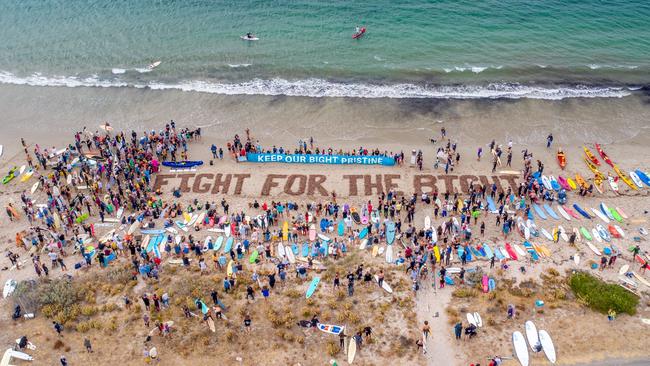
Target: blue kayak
(182,164)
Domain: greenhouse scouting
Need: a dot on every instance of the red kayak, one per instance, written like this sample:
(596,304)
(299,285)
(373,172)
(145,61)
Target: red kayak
(603,155)
(359,34)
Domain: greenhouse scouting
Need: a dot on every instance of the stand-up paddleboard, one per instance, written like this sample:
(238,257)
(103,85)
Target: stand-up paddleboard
(153,65)
(245,38)
(596,235)
(547,345)
(521,351)
(532,335)
(9,288)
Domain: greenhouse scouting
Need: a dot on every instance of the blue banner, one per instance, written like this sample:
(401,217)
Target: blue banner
(320,159)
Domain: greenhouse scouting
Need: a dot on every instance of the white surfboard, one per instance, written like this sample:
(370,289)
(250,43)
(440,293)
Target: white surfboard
(384,285)
(521,351)
(594,249)
(389,254)
(479,320)
(623,269)
(471,320)
(427,223)
(531,334)
(600,215)
(563,213)
(547,345)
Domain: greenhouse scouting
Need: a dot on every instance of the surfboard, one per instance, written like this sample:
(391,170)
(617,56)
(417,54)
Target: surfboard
(218,243)
(479,320)
(330,328)
(285,231)
(341,228)
(389,254)
(390,232)
(363,233)
(531,334)
(471,320)
(521,351)
(547,345)
(312,232)
(623,269)
(427,223)
(563,213)
(581,211)
(312,287)
(211,325)
(539,212)
(550,211)
(352,350)
(594,249)
(9,287)
(384,285)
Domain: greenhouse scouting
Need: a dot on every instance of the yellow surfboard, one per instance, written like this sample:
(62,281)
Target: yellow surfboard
(187,217)
(229,268)
(57,221)
(375,250)
(285,231)
(436,252)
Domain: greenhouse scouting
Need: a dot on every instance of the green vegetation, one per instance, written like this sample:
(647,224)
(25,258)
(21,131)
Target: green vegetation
(601,296)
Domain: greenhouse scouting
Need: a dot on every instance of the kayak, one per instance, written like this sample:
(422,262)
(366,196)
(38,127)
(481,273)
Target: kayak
(625,178)
(591,156)
(182,164)
(561,159)
(360,33)
(603,155)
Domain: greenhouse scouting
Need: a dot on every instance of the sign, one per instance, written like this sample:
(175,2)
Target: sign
(320,159)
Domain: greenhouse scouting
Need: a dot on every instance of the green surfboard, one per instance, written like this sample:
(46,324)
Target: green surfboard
(615,214)
(585,233)
(253,257)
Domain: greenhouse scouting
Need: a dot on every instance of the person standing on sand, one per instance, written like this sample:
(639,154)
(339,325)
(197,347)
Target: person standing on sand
(426,330)
(458,330)
(549,140)
(247,323)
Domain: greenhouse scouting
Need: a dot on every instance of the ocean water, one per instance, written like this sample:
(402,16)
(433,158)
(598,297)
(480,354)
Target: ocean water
(548,49)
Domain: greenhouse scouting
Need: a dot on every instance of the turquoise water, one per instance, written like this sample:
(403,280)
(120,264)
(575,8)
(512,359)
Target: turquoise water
(547,49)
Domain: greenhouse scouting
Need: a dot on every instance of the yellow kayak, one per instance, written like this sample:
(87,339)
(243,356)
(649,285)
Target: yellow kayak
(625,178)
(572,183)
(594,168)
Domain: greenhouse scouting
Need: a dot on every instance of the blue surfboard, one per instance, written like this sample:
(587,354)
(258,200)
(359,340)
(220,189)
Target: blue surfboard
(390,232)
(550,211)
(581,211)
(363,233)
(312,287)
(539,211)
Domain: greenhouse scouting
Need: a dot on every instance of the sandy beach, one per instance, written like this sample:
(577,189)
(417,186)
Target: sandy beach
(50,116)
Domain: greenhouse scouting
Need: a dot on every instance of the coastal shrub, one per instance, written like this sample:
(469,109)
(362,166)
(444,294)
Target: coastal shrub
(332,348)
(464,292)
(601,296)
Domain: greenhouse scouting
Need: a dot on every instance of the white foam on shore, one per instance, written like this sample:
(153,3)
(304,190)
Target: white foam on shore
(236,66)
(318,88)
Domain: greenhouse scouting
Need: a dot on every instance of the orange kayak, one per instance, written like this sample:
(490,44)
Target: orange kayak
(591,156)
(603,155)
(561,159)
(581,181)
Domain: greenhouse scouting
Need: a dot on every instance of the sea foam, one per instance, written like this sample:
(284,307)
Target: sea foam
(319,88)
